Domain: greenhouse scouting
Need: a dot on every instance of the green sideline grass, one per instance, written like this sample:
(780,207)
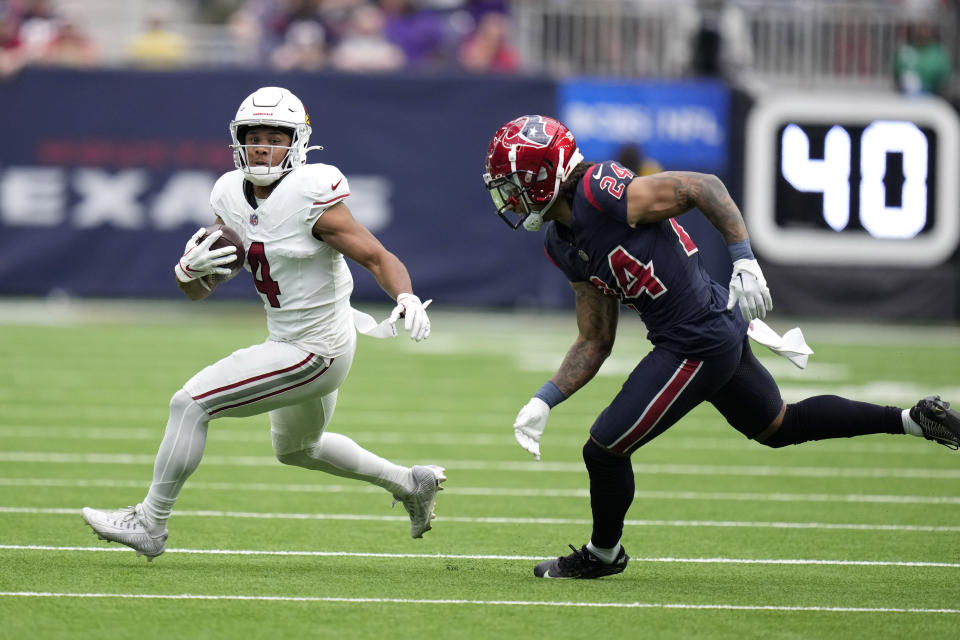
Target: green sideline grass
(839,539)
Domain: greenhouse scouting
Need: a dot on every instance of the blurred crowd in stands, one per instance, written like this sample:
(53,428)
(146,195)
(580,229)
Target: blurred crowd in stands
(35,33)
(365,35)
(307,35)
(474,36)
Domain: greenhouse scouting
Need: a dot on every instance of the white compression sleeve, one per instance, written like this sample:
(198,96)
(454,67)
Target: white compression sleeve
(179,455)
(338,455)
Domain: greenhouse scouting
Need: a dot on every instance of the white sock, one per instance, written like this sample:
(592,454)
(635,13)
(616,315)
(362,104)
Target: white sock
(909,426)
(339,455)
(606,555)
(180,452)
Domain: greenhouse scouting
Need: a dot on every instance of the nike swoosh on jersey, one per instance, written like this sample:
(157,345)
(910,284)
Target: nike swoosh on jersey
(334,186)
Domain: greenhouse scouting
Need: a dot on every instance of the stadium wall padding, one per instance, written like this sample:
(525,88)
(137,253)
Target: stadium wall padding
(105,174)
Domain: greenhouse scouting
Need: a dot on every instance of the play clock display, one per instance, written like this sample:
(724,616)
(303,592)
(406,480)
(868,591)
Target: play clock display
(851,179)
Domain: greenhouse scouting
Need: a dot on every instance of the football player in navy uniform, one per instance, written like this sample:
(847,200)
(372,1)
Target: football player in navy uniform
(616,238)
(296,230)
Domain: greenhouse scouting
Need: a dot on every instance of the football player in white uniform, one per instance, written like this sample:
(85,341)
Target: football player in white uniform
(296,230)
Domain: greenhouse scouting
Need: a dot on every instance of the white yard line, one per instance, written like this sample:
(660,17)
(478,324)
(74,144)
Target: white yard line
(474,602)
(473,556)
(48,457)
(358,487)
(213,513)
(502,439)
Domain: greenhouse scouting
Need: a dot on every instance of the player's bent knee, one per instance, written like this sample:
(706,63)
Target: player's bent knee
(294,458)
(180,402)
(596,453)
(780,433)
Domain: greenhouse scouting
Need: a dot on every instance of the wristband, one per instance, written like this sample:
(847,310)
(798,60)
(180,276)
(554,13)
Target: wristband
(740,250)
(550,394)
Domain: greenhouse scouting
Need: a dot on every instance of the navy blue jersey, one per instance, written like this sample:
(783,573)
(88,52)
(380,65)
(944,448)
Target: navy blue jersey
(654,269)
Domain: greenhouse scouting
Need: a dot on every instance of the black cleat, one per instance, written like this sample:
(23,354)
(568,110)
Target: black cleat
(938,421)
(581,564)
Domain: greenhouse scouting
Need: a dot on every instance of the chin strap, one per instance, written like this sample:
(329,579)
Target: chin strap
(533,221)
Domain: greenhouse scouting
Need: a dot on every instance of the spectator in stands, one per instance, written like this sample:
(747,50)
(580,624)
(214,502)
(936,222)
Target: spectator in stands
(337,17)
(157,47)
(421,34)
(488,48)
(38,24)
(13,56)
(632,156)
(71,47)
(261,25)
(303,48)
(365,46)
(721,42)
(922,65)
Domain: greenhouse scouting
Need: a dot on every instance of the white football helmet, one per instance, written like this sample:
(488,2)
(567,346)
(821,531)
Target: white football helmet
(271,107)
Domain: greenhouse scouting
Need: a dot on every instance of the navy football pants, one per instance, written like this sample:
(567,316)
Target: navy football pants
(665,386)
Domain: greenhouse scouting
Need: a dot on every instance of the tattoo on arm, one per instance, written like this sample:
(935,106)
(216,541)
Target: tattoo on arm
(597,322)
(707,193)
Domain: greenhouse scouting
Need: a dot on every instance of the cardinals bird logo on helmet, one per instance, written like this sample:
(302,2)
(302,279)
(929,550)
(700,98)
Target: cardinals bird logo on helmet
(527,160)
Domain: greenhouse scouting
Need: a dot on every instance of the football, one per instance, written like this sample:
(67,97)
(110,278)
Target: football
(230,238)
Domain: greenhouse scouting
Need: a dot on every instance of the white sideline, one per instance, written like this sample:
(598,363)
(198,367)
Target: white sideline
(738,496)
(509,603)
(504,520)
(461,556)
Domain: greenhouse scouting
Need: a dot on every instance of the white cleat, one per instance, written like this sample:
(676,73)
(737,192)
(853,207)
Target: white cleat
(419,504)
(126,526)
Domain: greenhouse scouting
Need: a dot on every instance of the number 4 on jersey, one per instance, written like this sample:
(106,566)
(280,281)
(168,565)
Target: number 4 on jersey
(257,259)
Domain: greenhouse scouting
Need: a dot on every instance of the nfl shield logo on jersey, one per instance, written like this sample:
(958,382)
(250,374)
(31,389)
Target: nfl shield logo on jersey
(254,219)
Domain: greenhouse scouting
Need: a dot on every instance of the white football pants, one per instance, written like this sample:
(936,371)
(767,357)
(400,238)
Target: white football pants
(299,391)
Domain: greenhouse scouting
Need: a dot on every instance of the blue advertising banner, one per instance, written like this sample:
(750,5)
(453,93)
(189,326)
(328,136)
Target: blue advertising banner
(680,124)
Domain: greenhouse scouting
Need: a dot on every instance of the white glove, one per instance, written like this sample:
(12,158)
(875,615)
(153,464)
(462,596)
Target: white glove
(530,424)
(414,314)
(199,261)
(748,288)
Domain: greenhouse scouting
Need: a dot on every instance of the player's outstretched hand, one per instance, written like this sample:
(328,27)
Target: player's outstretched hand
(748,289)
(414,314)
(529,425)
(199,260)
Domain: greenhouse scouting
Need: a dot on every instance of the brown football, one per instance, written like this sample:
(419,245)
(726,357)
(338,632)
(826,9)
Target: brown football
(230,238)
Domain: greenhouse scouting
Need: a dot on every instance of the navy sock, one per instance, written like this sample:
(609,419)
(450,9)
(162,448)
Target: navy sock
(611,493)
(825,417)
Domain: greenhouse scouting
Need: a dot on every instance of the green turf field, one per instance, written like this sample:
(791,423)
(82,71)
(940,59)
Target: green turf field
(729,539)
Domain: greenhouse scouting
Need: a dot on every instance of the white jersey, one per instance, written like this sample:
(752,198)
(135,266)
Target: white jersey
(305,283)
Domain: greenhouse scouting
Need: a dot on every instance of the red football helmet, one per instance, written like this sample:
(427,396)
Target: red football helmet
(527,160)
